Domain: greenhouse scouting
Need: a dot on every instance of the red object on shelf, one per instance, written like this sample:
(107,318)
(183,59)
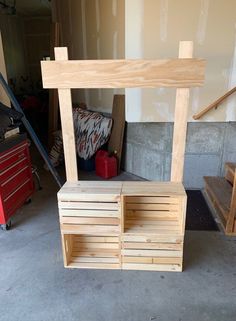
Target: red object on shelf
(16,182)
(106,166)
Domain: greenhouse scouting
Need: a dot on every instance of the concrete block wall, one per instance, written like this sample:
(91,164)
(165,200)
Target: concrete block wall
(148,146)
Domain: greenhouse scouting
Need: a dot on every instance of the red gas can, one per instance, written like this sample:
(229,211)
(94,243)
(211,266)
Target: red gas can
(106,166)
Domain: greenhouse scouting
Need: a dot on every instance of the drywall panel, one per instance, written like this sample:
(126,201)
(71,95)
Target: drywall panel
(153,30)
(13,43)
(93,29)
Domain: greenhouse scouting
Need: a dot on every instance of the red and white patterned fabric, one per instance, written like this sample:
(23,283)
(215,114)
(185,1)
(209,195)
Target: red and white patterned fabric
(92,130)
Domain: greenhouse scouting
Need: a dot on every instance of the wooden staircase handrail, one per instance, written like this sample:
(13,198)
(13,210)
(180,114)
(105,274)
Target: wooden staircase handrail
(214,104)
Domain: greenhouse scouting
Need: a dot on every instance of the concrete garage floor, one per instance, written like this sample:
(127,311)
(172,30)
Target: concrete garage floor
(36,287)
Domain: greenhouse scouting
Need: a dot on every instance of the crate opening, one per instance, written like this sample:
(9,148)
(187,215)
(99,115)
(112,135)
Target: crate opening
(152,214)
(87,251)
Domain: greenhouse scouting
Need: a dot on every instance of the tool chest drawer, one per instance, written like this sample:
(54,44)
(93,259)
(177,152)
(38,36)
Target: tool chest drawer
(16,183)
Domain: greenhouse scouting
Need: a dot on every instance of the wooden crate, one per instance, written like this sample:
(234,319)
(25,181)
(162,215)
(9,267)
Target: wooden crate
(152,252)
(90,221)
(153,226)
(91,252)
(129,225)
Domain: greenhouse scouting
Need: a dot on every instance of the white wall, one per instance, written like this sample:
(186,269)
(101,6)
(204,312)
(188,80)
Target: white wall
(153,29)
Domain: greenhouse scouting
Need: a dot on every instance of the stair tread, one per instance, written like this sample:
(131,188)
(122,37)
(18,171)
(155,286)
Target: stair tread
(230,171)
(221,190)
(230,166)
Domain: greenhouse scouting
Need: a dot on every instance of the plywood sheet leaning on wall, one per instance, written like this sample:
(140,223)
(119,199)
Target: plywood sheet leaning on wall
(3,96)
(115,144)
(127,225)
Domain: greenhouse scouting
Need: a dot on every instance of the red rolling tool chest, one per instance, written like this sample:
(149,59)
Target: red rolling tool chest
(16,182)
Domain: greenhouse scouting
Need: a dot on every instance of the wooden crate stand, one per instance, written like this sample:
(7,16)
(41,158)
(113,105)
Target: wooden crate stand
(123,225)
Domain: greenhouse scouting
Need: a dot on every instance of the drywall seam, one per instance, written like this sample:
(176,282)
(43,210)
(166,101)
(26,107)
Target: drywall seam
(163,19)
(84,39)
(134,49)
(202,23)
(231,102)
(115,52)
(97,9)
(195,100)
(99,57)
(114,8)
(134,29)
(133,103)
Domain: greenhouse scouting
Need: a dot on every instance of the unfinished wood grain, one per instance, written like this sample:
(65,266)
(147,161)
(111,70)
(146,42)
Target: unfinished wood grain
(89,206)
(152,188)
(152,246)
(152,238)
(90,229)
(3,96)
(151,260)
(108,191)
(152,199)
(115,144)
(76,265)
(152,207)
(220,191)
(232,211)
(180,120)
(96,239)
(89,220)
(152,253)
(88,213)
(67,124)
(123,73)
(230,171)
(153,267)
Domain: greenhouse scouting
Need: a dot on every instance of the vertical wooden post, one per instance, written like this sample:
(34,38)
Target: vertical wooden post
(67,124)
(180,121)
(3,96)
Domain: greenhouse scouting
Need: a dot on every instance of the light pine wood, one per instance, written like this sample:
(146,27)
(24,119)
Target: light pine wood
(128,225)
(67,124)
(232,212)
(3,96)
(180,120)
(214,104)
(123,73)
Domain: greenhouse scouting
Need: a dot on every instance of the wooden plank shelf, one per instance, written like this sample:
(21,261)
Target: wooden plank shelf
(222,196)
